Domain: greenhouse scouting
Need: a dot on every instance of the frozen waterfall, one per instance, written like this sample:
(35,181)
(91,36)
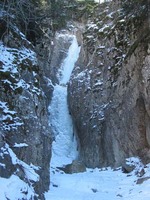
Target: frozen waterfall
(64,148)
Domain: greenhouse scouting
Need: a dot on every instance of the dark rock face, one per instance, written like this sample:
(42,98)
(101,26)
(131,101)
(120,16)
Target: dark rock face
(109,88)
(142,180)
(25,134)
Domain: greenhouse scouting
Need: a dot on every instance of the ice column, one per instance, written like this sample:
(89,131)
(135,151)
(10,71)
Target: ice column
(64,148)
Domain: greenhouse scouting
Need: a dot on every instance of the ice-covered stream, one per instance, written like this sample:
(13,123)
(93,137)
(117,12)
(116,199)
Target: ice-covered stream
(64,148)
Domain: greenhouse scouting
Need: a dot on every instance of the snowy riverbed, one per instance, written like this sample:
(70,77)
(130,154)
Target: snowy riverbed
(98,184)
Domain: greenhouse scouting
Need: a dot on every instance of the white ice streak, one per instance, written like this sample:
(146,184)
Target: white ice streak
(69,62)
(101,1)
(20,145)
(64,146)
(61,123)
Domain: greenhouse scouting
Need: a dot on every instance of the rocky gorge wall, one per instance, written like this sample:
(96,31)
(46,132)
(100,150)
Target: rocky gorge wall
(109,87)
(26,90)
(28,74)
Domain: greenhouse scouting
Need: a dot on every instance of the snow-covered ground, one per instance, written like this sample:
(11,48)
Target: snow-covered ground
(98,184)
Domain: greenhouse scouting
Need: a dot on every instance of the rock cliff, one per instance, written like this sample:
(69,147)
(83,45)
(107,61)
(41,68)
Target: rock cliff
(26,90)
(109,87)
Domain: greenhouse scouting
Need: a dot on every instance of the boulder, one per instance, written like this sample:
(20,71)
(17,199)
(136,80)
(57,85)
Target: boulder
(75,167)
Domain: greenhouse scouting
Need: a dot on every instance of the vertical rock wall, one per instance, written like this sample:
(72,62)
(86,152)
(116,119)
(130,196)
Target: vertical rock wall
(109,88)
(26,90)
